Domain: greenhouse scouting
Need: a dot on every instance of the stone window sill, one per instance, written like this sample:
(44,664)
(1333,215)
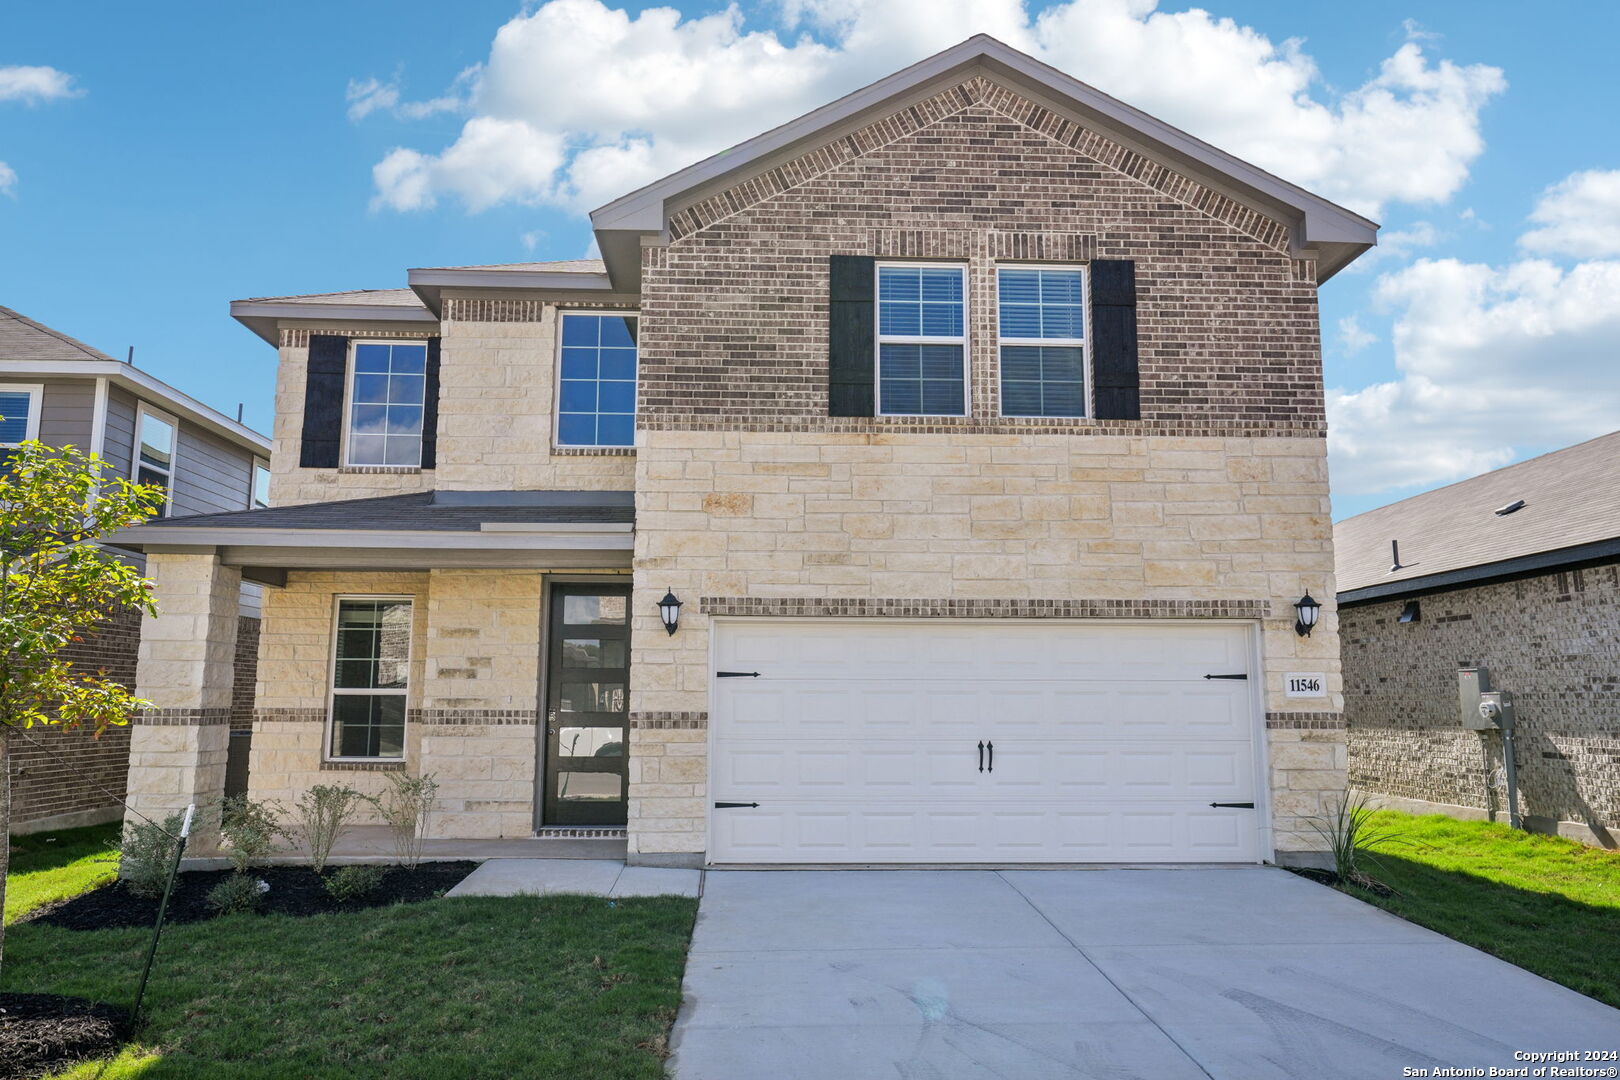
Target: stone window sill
(593,451)
(361,766)
(379,470)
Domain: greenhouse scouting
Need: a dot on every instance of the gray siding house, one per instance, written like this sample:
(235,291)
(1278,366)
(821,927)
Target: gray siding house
(1516,571)
(63,392)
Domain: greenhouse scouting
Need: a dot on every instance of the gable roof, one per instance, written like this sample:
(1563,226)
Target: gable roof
(21,338)
(1320,229)
(1453,534)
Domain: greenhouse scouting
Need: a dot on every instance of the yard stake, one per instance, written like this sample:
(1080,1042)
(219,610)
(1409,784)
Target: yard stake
(163,907)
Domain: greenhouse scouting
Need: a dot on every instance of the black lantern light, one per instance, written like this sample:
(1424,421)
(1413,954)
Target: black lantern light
(669,609)
(1309,609)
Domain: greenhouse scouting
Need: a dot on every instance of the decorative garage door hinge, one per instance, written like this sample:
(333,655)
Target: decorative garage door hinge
(1235,805)
(1244,675)
(736,674)
(733,805)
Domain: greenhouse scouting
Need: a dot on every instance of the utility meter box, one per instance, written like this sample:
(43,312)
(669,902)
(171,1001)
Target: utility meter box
(1496,709)
(1472,683)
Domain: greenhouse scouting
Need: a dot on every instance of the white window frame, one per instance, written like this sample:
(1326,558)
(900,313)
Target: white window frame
(349,374)
(880,339)
(556,382)
(253,483)
(332,690)
(142,411)
(36,403)
(1084,342)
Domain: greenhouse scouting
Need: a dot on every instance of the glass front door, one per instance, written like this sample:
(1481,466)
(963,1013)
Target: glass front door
(587,699)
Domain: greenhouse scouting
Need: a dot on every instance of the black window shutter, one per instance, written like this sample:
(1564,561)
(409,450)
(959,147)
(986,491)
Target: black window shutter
(430,407)
(851,331)
(1117,382)
(321,445)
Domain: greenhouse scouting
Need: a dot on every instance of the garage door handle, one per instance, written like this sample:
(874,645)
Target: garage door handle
(1243,675)
(736,674)
(1235,805)
(991,747)
(981,755)
(733,805)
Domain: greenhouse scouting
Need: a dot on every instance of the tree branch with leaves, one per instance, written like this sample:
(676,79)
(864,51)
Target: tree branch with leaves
(57,586)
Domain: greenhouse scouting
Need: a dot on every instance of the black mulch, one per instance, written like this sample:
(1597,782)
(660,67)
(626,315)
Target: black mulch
(46,1033)
(294,890)
(1331,878)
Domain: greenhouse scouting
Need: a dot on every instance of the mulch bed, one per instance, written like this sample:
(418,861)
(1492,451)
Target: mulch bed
(1331,878)
(294,890)
(46,1033)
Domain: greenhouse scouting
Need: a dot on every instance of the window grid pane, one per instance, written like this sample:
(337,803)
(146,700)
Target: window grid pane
(386,398)
(372,653)
(1041,305)
(596,396)
(925,304)
(1039,380)
(14,408)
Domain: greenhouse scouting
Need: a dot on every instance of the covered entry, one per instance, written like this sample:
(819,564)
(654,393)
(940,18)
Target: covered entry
(884,741)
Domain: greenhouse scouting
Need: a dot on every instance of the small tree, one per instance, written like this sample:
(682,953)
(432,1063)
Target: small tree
(56,585)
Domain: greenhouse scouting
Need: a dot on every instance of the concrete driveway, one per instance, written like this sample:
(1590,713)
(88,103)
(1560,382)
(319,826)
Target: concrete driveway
(1231,974)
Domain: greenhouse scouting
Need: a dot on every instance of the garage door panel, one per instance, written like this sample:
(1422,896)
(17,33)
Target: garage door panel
(859,741)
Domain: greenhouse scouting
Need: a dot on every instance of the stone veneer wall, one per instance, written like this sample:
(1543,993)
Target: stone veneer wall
(1553,640)
(974,526)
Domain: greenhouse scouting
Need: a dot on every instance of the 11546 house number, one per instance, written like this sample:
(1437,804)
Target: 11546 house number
(1305,684)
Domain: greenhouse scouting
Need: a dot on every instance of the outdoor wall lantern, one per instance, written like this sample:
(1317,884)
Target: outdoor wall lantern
(669,609)
(1308,610)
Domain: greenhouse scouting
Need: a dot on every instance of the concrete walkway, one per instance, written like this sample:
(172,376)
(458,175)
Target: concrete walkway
(1203,974)
(592,877)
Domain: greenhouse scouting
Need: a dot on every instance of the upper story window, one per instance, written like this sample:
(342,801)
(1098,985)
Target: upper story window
(922,340)
(387,385)
(259,493)
(155,436)
(371,662)
(19,415)
(1042,340)
(596,388)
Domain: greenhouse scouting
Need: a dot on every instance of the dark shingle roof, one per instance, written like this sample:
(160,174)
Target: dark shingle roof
(21,338)
(419,511)
(1571,498)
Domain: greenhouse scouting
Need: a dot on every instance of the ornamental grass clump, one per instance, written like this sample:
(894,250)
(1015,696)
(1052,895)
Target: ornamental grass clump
(319,817)
(407,809)
(1351,834)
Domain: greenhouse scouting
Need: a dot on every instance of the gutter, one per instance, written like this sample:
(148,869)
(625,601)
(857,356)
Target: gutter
(1493,571)
(540,536)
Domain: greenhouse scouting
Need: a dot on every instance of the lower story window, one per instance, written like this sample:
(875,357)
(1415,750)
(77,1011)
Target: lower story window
(370,678)
(1043,380)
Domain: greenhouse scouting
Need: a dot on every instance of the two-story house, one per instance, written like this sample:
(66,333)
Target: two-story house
(974,422)
(64,393)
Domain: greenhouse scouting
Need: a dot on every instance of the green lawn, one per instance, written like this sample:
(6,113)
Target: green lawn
(1545,903)
(561,986)
(46,867)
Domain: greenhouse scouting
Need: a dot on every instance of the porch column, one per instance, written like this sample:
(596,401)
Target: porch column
(178,748)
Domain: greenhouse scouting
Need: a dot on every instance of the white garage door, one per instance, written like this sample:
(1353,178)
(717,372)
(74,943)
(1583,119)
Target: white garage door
(872,741)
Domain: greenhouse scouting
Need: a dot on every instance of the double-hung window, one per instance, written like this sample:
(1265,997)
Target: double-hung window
(921,340)
(371,661)
(596,395)
(1042,340)
(19,416)
(387,385)
(154,454)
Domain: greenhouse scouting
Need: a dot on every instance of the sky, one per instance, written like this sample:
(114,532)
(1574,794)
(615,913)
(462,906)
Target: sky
(157,162)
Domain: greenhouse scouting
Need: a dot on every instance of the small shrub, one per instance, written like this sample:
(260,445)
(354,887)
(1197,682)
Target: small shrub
(321,814)
(250,830)
(352,882)
(239,892)
(1351,835)
(146,855)
(407,807)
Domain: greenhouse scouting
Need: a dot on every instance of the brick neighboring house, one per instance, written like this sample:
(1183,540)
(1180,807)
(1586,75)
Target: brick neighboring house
(1517,570)
(975,420)
(63,392)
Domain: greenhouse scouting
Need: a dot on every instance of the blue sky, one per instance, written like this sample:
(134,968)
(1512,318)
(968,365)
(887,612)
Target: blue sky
(186,155)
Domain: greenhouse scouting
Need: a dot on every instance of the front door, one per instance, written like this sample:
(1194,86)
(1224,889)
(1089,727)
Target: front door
(587,696)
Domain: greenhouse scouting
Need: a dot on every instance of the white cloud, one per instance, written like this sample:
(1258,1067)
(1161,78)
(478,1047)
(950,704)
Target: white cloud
(1353,337)
(1493,360)
(33,85)
(366,96)
(8,179)
(1395,244)
(1578,216)
(623,100)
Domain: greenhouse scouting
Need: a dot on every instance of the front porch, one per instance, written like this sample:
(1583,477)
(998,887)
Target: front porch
(426,634)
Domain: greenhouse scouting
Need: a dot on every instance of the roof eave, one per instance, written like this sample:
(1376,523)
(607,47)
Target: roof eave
(1519,566)
(264,317)
(429,283)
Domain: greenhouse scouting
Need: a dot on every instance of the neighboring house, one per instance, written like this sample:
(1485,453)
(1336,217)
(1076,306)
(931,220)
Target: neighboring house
(63,392)
(976,422)
(1518,571)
